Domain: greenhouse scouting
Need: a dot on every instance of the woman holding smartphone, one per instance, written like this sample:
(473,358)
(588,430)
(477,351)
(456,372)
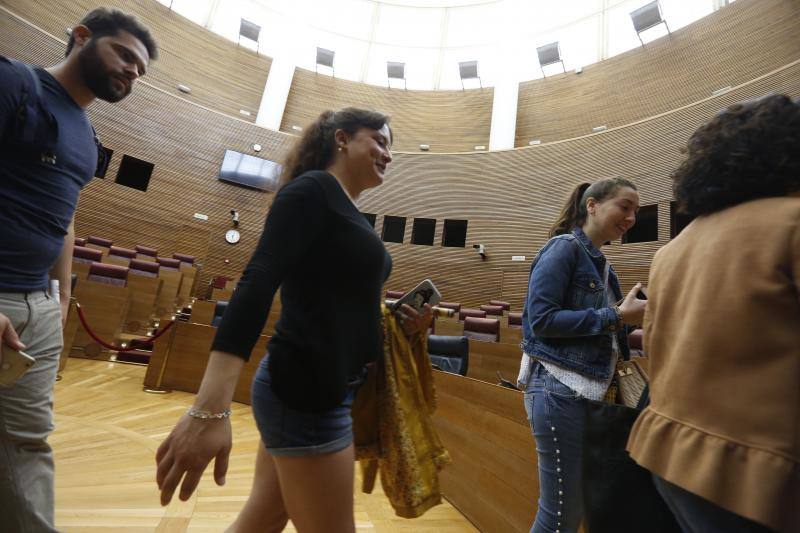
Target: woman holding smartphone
(573,335)
(331,266)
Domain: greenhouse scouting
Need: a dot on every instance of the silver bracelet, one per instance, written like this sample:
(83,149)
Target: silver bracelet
(207,415)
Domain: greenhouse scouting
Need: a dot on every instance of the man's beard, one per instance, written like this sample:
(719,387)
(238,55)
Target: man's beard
(97,78)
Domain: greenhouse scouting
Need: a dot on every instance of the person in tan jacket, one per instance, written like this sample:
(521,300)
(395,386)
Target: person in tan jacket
(722,329)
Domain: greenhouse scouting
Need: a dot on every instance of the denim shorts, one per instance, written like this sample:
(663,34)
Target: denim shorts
(286,431)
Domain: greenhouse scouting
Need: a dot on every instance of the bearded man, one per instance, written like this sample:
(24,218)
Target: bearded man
(48,152)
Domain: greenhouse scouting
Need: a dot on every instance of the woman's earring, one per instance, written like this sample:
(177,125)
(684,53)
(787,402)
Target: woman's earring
(340,148)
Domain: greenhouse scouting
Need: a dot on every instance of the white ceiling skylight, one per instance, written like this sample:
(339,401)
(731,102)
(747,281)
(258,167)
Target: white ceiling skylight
(432,36)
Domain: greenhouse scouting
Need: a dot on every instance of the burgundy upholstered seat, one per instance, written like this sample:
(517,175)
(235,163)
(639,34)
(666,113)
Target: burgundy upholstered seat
(148,269)
(455,306)
(185,259)
(482,329)
(146,250)
(515,320)
(636,342)
(81,254)
(492,310)
(108,273)
(168,263)
(467,312)
(118,251)
(505,305)
(99,241)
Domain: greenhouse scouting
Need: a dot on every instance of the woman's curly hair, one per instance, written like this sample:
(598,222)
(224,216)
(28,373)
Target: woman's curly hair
(749,150)
(315,148)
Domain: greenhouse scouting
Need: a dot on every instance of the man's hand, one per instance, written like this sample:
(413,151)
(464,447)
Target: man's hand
(8,335)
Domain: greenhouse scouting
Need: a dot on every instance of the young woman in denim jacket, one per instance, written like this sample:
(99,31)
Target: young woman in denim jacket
(573,334)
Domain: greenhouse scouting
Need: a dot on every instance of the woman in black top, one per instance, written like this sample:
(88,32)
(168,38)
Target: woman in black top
(331,266)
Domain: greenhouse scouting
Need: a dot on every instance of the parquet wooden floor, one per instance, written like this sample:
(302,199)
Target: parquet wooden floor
(107,432)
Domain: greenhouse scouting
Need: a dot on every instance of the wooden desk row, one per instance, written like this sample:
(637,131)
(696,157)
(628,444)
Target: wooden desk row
(112,311)
(508,335)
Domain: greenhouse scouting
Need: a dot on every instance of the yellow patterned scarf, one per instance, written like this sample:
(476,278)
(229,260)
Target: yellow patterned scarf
(392,424)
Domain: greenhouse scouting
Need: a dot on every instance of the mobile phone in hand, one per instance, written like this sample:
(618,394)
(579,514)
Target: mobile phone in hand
(424,293)
(13,365)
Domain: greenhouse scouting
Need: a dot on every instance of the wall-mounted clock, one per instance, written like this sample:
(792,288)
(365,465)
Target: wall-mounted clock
(232,236)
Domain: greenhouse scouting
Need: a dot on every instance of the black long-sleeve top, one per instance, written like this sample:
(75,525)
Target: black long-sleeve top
(331,266)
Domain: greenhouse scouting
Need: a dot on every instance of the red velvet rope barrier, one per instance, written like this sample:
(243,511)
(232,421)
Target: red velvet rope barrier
(109,346)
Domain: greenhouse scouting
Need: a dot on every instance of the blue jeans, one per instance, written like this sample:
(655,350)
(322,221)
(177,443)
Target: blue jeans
(556,414)
(698,515)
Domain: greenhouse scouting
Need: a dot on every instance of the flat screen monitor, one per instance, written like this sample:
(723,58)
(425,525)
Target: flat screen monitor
(250,171)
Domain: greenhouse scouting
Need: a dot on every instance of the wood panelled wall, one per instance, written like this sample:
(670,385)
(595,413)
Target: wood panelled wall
(510,197)
(223,77)
(737,43)
(447,121)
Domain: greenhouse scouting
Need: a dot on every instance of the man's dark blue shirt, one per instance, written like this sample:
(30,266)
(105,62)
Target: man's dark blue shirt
(38,197)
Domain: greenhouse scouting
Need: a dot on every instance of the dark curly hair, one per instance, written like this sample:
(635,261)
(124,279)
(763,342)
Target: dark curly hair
(749,150)
(104,22)
(315,148)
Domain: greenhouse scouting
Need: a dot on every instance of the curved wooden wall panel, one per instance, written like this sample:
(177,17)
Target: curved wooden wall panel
(510,197)
(448,121)
(223,76)
(727,48)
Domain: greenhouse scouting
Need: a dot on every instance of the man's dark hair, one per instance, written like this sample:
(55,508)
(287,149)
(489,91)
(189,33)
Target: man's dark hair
(104,22)
(749,150)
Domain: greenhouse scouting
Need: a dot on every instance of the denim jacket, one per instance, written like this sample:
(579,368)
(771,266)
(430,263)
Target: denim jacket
(567,319)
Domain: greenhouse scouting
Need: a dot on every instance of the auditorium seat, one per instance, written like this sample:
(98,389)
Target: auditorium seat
(99,241)
(219,310)
(467,312)
(455,306)
(185,259)
(492,310)
(148,269)
(80,241)
(450,354)
(145,285)
(120,256)
(168,263)
(635,342)
(482,329)
(145,252)
(515,320)
(218,282)
(108,273)
(505,305)
(394,295)
(81,254)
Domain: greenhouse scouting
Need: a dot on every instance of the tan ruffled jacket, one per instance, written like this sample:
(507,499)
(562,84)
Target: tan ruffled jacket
(722,331)
(392,425)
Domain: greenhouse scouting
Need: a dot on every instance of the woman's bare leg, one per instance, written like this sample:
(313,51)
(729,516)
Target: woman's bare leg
(264,511)
(318,491)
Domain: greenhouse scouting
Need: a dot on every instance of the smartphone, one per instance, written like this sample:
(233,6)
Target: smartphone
(424,293)
(14,365)
(641,294)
